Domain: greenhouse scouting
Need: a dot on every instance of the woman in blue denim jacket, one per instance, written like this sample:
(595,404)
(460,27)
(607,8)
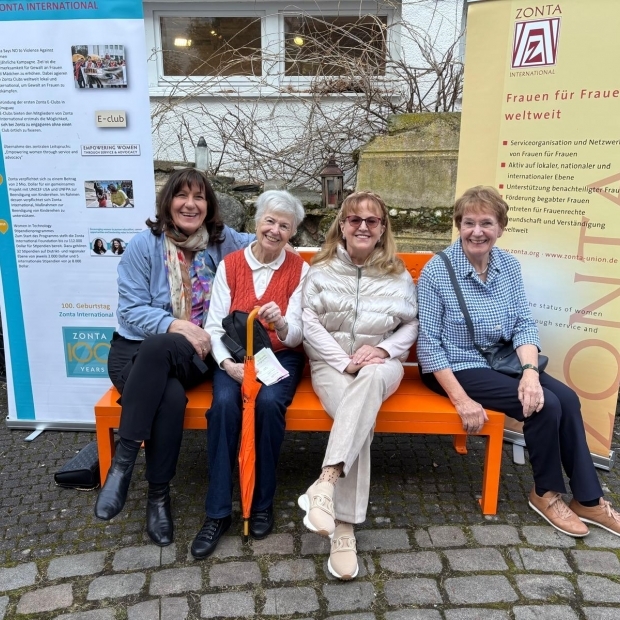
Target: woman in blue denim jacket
(165,277)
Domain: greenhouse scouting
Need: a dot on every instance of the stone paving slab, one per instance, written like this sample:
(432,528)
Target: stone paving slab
(227,605)
(544,587)
(422,562)
(418,591)
(476,614)
(285,601)
(76,565)
(544,612)
(46,599)
(424,550)
(413,614)
(18,576)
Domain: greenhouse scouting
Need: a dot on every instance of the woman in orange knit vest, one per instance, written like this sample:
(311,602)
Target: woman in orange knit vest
(264,275)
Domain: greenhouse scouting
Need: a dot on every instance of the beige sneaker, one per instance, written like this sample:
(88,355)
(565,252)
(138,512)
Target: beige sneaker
(602,515)
(342,561)
(318,503)
(552,507)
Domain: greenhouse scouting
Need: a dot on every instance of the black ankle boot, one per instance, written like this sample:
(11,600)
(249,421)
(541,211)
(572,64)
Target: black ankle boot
(113,494)
(159,525)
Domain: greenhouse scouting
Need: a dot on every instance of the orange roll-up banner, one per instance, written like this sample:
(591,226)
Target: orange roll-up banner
(541,122)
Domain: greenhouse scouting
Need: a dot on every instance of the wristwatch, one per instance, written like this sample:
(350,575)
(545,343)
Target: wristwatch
(527,366)
(283,326)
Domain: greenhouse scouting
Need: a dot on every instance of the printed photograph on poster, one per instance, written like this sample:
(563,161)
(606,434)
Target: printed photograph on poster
(99,66)
(110,241)
(108,194)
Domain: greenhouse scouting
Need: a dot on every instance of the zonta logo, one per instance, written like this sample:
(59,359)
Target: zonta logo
(535,42)
(86,350)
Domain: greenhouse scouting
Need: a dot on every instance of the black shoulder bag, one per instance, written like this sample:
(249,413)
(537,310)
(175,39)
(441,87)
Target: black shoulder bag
(235,339)
(500,356)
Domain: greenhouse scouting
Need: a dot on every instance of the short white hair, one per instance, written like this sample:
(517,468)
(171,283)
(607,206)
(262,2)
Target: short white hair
(282,202)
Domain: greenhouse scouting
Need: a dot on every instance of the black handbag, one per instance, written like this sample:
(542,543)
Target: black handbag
(500,356)
(82,471)
(235,339)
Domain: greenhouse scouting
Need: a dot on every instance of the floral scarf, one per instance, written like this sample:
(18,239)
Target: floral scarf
(190,285)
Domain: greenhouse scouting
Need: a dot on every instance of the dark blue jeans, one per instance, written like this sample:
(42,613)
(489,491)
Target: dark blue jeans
(555,436)
(224,430)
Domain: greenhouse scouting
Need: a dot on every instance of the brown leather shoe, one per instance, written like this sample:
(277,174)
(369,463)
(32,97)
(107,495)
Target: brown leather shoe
(553,509)
(602,515)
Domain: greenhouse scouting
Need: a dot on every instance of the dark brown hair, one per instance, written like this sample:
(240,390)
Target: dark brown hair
(192,178)
(481,198)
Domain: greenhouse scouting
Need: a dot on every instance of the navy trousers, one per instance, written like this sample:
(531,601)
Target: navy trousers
(224,430)
(555,436)
(152,376)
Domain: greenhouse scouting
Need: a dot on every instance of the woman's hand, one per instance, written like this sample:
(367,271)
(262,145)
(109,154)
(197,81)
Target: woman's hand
(234,370)
(530,393)
(271,313)
(472,414)
(197,337)
(369,355)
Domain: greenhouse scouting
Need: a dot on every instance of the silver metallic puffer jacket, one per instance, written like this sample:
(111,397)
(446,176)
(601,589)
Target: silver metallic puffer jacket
(357,305)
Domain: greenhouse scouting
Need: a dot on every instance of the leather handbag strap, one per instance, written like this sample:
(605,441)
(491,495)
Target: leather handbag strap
(461,299)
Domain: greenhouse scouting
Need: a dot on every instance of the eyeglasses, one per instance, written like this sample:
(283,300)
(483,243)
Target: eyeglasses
(356,221)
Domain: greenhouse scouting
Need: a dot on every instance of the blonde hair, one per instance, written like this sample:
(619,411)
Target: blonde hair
(383,258)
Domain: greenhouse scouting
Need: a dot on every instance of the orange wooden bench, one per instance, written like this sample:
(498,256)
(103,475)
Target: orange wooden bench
(412,409)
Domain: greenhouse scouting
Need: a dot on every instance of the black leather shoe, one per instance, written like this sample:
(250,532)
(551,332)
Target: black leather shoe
(209,535)
(113,494)
(261,523)
(159,525)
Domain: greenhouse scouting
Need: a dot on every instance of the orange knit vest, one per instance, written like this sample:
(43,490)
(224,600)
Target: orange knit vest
(282,285)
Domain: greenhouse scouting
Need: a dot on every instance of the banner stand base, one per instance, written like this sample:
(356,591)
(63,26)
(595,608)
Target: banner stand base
(34,425)
(518,455)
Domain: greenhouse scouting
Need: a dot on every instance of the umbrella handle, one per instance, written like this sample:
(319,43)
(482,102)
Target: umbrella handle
(250,334)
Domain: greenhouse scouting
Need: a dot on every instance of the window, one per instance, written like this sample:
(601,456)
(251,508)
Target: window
(242,45)
(334,45)
(211,46)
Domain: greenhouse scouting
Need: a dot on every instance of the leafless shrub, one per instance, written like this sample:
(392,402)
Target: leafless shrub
(330,91)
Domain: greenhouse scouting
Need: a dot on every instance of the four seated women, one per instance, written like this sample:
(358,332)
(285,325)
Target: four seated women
(358,324)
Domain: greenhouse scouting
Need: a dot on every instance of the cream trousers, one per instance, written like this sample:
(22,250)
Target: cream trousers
(353,402)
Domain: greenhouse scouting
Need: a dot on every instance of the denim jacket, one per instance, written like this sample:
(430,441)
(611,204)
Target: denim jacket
(144,307)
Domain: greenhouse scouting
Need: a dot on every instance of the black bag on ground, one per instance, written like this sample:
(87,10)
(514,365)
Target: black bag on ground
(82,471)
(235,338)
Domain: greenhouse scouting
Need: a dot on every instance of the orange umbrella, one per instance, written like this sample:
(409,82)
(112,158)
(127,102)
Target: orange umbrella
(247,450)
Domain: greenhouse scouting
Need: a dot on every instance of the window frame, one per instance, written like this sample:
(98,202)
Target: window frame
(271,13)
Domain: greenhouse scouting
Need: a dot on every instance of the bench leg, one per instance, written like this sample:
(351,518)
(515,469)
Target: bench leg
(460,443)
(105,448)
(492,470)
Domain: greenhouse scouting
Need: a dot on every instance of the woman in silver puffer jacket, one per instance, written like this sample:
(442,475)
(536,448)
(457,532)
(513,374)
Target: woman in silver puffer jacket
(359,317)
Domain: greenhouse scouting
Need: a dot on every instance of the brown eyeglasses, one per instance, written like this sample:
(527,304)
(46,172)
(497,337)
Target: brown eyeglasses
(356,221)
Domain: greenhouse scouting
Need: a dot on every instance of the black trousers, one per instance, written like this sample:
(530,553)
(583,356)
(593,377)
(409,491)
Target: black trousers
(555,436)
(152,376)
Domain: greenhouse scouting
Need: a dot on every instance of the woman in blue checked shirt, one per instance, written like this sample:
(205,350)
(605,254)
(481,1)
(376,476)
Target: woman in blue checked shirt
(451,365)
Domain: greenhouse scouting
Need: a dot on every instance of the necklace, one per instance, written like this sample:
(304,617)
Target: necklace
(481,273)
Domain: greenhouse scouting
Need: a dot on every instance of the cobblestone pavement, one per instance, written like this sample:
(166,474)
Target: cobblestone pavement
(426,551)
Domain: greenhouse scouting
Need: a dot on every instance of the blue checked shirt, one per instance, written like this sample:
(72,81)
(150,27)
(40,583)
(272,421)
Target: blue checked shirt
(498,309)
